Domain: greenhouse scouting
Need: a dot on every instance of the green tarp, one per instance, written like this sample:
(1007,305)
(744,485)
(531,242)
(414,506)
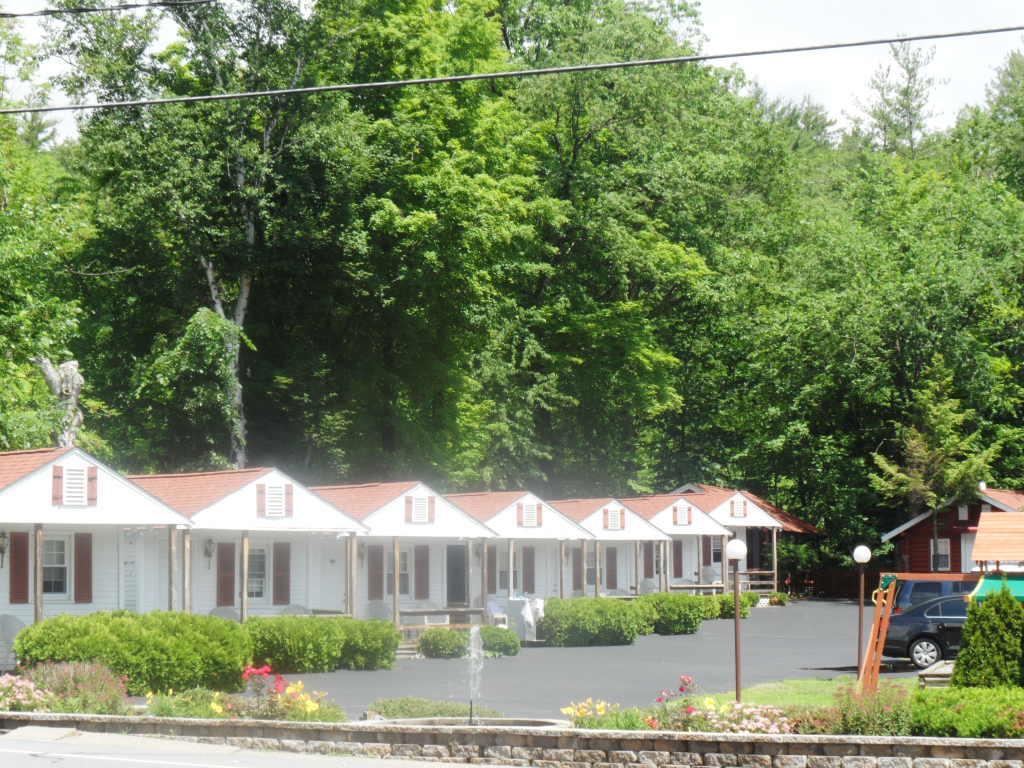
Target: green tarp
(991,583)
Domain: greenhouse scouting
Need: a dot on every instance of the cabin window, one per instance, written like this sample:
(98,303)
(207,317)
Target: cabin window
(961,512)
(529,516)
(738,508)
(716,549)
(591,567)
(55,565)
(940,554)
(275,501)
(420,512)
(403,573)
(75,487)
(503,571)
(986,507)
(614,519)
(257,586)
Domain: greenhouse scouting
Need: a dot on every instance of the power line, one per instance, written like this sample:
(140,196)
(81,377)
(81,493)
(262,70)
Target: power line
(508,74)
(104,8)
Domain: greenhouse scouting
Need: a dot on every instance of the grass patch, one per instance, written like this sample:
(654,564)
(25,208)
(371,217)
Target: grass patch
(412,706)
(808,692)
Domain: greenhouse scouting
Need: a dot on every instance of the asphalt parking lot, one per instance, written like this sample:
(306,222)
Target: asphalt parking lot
(811,638)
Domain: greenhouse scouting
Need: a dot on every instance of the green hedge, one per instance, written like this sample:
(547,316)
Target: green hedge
(411,706)
(991,654)
(726,606)
(675,614)
(583,621)
(153,651)
(292,644)
(970,713)
(441,643)
(499,640)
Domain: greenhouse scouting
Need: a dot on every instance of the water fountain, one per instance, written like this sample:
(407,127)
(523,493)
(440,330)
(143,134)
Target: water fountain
(476,667)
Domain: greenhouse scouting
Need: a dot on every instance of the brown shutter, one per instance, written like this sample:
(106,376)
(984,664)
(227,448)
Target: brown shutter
(577,570)
(519,514)
(261,500)
(57,494)
(529,584)
(375,572)
(91,482)
(611,568)
(19,567)
(677,559)
(606,519)
(408,509)
(675,515)
(289,500)
(421,554)
(431,508)
(540,515)
(648,560)
(622,519)
(705,550)
(83,567)
(689,515)
(282,572)
(492,569)
(225,574)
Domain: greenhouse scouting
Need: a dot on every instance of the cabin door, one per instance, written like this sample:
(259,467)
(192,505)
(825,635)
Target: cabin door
(457,576)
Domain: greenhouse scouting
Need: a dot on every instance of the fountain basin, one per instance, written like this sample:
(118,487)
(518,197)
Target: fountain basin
(484,722)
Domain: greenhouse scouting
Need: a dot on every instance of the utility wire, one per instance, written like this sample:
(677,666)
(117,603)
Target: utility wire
(104,8)
(518,73)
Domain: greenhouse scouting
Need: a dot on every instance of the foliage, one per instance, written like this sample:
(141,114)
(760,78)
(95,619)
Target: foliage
(970,713)
(80,687)
(155,651)
(708,715)
(589,621)
(499,641)
(322,644)
(885,713)
(991,648)
(19,694)
(441,643)
(750,599)
(727,607)
(675,614)
(590,713)
(778,598)
(413,707)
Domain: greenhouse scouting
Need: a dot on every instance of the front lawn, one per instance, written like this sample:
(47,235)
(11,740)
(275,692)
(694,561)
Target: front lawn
(801,693)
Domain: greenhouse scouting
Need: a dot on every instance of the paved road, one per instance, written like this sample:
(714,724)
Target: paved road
(35,747)
(804,639)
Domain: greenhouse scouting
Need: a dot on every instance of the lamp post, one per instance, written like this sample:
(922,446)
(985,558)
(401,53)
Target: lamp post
(735,551)
(861,555)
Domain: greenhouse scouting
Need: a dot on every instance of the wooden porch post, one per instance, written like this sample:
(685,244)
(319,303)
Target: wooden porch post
(186,566)
(664,566)
(511,567)
(243,612)
(636,567)
(583,560)
(395,581)
(775,560)
(37,600)
(725,566)
(483,574)
(597,568)
(172,568)
(351,558)
(561,568)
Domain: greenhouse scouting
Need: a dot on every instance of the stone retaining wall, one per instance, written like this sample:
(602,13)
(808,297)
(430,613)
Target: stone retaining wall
(558,747)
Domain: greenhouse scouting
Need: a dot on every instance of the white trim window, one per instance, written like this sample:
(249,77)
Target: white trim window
(275,501)
(716,549)
(961,512)
(940,554)
(420,510)
(530,515)
(259,567)
(403,574)
(591,570)
(57,565)
(614,519)
(75,487)
(738,508)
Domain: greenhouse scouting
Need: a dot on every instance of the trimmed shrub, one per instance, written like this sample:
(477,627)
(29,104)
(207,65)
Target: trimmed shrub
(778,598)
(711,607)
(441,643)
(990,652)
(292,644)
(78,686)
(750,599)
(500,641)
(153,651)
(970,713)
(590,621)
(726,605)
(646,614)
(675,614)
(411,706)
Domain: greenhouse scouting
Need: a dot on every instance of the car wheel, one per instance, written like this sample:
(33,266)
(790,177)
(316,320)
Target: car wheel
(924,652)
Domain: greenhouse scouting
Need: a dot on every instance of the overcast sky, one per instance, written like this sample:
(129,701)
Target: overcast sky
(836,79)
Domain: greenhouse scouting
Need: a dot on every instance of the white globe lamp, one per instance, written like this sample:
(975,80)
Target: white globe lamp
(861,554)
(736,549)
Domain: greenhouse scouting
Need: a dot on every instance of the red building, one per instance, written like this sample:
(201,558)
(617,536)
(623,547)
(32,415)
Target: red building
(944,540)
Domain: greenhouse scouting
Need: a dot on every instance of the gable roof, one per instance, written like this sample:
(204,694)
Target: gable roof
(192,492)
(649,506)
(790,523)
(580,509)
(1012,500)
(483,505)
(1000,537)
(709,497)
(15,465)
(363,499)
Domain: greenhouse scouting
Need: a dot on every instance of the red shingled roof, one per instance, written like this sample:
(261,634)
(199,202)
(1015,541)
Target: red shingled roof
(15,465)
(483,505)
(191,492)
(1012,499)
(579,509)
(649,506)
(363,499)
(790,523)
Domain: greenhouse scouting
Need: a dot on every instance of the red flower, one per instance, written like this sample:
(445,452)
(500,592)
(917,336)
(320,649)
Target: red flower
(279,684)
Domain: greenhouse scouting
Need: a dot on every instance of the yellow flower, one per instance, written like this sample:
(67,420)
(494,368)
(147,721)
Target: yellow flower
(311,706)
(216,708)
(708,703)
(569,710)
(601,708)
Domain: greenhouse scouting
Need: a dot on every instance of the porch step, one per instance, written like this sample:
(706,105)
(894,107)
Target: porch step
(406,651)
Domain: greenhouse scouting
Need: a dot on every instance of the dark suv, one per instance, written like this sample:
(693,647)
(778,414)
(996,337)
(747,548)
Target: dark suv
(911,592)
(928,632)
